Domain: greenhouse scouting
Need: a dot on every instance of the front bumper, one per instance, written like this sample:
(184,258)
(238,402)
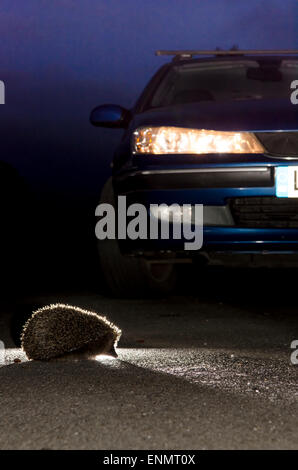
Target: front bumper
(215,187)
(195,178)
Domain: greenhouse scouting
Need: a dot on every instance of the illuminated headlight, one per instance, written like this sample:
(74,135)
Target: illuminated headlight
(166,140)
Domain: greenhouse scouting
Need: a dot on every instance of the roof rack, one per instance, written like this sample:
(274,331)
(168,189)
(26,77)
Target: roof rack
(188,54)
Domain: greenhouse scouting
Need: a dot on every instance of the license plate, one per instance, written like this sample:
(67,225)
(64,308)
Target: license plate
(286,178)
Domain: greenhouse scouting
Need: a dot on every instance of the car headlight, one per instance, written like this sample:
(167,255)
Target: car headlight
(166,140)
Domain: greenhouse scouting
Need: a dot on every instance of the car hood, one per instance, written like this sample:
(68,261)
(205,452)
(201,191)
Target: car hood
(244,115)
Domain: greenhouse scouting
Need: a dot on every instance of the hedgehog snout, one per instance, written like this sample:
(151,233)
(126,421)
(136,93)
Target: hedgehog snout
(112,352)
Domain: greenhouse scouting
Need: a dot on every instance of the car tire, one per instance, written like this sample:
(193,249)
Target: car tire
(130,277)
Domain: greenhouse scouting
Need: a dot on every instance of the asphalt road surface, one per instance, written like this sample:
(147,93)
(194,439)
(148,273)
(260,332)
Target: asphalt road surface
(208,368)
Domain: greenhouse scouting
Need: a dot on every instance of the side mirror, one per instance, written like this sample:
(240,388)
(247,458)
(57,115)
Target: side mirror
(109,115)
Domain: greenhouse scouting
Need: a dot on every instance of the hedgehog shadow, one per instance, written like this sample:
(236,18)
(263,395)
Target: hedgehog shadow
(92,395)
(83,372)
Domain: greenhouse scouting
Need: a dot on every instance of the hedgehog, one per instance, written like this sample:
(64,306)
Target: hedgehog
(60,331)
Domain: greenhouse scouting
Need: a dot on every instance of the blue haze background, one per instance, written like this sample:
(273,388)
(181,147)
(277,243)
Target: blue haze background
(60,58)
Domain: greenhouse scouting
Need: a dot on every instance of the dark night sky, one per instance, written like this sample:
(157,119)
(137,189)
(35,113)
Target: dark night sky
(60,58)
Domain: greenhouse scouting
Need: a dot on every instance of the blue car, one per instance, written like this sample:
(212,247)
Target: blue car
(215,128)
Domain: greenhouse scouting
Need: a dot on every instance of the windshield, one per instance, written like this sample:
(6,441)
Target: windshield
(226,81)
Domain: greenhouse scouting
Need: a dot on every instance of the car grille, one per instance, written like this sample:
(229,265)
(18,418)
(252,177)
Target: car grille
(281,144)
(265,212)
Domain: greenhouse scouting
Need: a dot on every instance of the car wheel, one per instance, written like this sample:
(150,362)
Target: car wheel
(126,276)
